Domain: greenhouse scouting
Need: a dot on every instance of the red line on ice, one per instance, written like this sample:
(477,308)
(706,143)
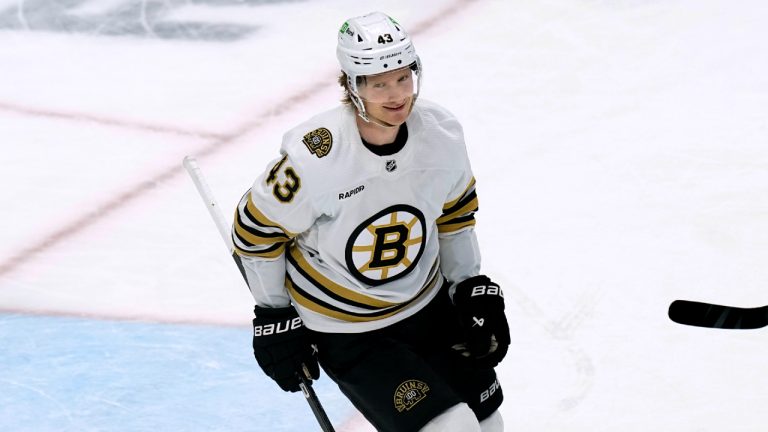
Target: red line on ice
(219,142)
(126,197)
(35,112)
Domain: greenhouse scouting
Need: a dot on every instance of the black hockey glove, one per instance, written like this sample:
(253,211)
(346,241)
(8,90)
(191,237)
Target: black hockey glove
(480,305)
(282,347)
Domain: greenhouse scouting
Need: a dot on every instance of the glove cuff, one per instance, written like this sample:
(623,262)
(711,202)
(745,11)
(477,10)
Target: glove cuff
(278,312)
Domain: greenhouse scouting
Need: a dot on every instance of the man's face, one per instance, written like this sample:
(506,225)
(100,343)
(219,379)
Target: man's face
(388,96)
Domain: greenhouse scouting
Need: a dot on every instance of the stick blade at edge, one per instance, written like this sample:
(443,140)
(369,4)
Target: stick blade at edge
(717,316)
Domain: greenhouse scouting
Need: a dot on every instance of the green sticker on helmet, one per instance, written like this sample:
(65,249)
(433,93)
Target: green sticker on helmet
(344,27)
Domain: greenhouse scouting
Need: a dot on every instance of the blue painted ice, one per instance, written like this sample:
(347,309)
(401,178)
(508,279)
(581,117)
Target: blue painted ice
(71,374)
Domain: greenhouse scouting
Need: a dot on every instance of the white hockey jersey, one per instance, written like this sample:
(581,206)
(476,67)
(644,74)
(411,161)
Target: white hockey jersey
(359,241)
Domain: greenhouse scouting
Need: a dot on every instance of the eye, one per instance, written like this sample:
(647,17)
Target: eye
(378,85)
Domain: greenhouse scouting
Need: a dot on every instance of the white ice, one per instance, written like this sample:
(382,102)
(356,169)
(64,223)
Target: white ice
(621,152)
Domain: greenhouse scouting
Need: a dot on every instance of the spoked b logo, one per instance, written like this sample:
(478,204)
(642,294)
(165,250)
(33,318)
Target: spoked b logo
(387,245)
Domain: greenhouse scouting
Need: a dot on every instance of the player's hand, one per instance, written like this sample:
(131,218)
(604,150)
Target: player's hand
(282,347)
(480,305)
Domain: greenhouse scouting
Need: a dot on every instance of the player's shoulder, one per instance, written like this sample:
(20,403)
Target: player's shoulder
(431,113)
(318,139)
(438,130)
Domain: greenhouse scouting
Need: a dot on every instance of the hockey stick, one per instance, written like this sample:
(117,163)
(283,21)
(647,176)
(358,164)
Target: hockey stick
(717,316)
(190,164)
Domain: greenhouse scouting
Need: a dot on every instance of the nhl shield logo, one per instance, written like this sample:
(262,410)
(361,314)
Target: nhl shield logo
(409,393)
(319,141)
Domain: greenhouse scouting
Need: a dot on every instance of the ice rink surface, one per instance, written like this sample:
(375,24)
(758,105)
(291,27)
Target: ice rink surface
(621,152)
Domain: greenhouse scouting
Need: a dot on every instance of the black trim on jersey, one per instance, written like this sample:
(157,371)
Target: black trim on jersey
(459,219)
(322,288)
(391,148)
(255,221)
(462,202)
(256,249)
(258,232)
(316,300)
(381,311)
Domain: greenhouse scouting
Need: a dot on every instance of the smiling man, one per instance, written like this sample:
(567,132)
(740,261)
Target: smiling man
(359,247)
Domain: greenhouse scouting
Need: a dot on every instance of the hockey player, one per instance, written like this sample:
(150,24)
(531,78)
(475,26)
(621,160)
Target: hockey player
(359,247)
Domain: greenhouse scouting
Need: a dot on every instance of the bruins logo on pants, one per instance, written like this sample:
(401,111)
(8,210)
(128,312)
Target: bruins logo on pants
(409,393)
(388,245)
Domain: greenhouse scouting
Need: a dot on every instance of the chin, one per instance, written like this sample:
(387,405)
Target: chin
(397,118)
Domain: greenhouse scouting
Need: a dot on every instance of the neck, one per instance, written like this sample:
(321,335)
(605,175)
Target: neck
(376,133)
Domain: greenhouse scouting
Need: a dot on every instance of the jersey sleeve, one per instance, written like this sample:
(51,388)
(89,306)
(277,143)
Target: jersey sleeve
(277,208)
(459,213)
(459,250)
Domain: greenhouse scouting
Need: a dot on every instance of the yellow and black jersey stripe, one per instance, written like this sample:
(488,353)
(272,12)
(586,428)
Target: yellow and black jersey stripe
(311,290)
(459,213)
(255,235)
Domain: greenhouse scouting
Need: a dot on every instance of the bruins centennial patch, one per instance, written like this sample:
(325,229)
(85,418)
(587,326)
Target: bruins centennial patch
(319,141)
(409,393)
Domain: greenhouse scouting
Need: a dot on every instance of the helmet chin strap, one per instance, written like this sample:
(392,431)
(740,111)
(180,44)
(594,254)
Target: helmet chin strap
(377,122)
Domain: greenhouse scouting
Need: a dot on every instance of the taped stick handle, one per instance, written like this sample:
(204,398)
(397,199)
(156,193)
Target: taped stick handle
(194,171)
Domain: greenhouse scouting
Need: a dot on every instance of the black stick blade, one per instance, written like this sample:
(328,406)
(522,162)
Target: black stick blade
(717,316)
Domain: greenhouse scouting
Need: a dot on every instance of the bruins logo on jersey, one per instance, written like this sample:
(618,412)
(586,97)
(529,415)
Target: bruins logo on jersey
(388,245)
(319,141)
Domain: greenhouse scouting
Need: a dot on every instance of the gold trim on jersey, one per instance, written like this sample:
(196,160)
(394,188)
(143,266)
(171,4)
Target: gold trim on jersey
(271,253)
(459,213)
(471,185)
(261,219)
(468,207)
(255,235)
(314,304)
(454,227)
(319,280)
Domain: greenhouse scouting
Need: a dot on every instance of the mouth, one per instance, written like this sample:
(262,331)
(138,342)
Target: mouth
(397,107)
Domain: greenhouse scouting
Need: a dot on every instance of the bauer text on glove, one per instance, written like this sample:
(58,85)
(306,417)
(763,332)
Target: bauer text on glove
(282,347)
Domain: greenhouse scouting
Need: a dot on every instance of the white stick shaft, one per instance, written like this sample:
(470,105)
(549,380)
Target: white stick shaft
(190,164)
